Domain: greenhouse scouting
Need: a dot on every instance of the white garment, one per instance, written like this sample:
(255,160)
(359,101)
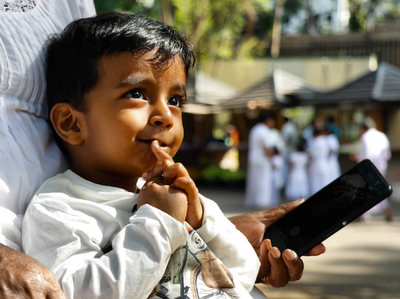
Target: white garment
(297,183)
(290,136)
(278,180)
(375,146)
(319,169)
(71,221)
(277,140)
(259,168)
(28,154)
(334,146)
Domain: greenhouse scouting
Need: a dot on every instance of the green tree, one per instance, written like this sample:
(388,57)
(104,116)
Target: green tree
(362,14)
(218,29)
(391,12)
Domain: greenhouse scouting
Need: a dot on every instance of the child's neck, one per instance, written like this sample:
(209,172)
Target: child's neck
(101,178)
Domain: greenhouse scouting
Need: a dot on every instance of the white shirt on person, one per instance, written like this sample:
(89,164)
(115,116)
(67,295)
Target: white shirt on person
(319,167)
(297,182)
(89,236)
(28,154)
(334,146)
(375,146)
(259,168)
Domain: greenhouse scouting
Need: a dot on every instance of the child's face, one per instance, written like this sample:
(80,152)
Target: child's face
(132,104)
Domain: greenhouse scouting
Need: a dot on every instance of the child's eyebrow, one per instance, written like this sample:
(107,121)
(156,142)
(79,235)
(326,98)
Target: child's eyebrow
(182,88)
(131,81)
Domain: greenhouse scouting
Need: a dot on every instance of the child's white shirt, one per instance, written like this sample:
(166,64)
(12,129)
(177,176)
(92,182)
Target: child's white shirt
(70,223)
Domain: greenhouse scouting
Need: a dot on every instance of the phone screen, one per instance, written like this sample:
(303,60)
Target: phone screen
(331,208)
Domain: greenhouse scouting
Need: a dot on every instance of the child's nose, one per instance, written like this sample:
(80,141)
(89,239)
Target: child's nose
(162,116)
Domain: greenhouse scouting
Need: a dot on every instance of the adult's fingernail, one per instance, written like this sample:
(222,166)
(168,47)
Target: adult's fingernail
(275,252)
(290,255)
(269,244)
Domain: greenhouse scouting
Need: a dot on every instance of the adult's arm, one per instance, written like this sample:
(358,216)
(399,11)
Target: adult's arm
(23,277)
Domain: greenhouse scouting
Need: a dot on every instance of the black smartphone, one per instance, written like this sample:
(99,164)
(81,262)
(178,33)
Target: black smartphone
(330,209)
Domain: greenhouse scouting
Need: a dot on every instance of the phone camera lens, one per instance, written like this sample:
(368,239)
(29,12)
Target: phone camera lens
(295,231)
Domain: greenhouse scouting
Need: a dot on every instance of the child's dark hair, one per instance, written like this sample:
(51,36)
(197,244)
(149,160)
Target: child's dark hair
(73,55)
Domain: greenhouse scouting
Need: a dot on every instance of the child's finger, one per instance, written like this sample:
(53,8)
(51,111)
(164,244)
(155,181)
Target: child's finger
(179,177)
(187,184)
(174,171)
(158,170)
(163,158)
(159,153)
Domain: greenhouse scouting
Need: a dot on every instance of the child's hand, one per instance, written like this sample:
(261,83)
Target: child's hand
(165,198)
(176,175)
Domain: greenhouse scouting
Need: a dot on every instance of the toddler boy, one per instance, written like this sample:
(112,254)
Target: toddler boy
(116,88)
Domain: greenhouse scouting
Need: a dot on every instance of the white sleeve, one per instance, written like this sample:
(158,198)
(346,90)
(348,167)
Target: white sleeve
(10,229)
(229,244)
(69,243)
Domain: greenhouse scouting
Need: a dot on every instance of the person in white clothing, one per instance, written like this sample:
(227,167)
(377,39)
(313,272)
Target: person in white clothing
(375,146)
(319,167)
(259,169)
(334,147)
(290,136)
(297,183)
(28,153)
(278,179)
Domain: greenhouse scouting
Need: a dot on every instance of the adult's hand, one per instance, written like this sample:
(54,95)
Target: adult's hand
(23,277)
(279,268)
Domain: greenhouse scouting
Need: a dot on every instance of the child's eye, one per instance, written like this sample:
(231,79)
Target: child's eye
(176,101)
(135,94)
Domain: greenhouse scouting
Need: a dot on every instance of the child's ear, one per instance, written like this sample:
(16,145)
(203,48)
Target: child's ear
(66,121)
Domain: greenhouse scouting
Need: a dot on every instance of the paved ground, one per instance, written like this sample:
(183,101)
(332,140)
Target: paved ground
(362,260)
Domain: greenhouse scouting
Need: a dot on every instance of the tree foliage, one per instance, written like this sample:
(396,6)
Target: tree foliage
(218,29)
(242,28)
(365,13)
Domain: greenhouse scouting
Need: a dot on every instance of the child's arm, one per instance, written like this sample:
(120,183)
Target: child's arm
(70,236)
(221,236)
(164,197)
(176,175)
(229,244)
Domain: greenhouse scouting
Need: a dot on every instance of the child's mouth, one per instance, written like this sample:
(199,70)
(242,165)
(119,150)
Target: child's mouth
(149,141)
